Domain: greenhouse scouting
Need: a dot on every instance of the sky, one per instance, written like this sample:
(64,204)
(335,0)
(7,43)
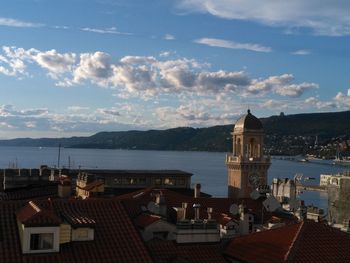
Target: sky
(77,67)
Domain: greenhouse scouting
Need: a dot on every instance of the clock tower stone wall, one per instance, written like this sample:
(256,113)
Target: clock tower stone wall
(247,166)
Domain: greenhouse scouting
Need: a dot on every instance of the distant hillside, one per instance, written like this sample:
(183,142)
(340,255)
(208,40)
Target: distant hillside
(217,138)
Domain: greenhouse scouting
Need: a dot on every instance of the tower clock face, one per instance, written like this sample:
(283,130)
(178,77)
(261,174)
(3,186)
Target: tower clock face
(254,179)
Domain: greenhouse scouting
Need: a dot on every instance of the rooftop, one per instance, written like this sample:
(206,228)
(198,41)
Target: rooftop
(116,239)
(307,241)
(248,122)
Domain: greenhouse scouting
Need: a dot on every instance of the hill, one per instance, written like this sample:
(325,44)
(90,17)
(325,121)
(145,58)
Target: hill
(302,128)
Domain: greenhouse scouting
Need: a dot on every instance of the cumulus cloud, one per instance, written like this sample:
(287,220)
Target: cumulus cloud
(343,100)
(315,102)
(328,17)
(215,42)
(147,76)
(54,62)
(44,120)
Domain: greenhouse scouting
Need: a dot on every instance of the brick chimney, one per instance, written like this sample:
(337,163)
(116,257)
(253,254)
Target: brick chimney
(197,190)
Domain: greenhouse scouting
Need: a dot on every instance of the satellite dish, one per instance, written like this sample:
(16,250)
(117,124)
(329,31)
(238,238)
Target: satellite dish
(254,194)
(152,207)
(234,209)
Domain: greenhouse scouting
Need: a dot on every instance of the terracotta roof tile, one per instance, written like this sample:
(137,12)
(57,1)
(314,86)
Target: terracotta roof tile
(76,218)
(116,239)
(44,191)
(307,241)
(145,220)
(169,251)
(34,215)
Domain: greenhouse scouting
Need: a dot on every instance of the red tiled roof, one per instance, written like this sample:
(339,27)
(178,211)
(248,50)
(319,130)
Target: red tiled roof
(169,251)
(145,220)
(134,203)
(307,241)
(34,215)
(116,239)
(77,219)
(44,191)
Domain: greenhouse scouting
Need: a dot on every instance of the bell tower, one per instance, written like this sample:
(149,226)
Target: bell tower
(247,166)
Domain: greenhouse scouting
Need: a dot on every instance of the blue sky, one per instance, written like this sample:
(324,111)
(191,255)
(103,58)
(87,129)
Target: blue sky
(79,67)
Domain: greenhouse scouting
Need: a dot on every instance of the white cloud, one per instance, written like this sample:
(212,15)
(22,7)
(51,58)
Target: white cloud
(274,104)
(215,42)
(112,111)
(110,30)
(295,90)
(43,120)
(301,52)
(343,100)
(329,17)
(17,23)
(146,77)
(55,62)
(315,102)
(169,37)
(76,108)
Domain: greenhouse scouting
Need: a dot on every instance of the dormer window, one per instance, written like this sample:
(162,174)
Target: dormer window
(42,229)
(39,229)
(42,241)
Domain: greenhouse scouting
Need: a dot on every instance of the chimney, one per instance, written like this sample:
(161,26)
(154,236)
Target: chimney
(196,211)
(160,201)
(184,206)
(209,211)
(197,190)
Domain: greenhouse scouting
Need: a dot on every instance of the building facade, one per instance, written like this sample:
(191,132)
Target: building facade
(247,166)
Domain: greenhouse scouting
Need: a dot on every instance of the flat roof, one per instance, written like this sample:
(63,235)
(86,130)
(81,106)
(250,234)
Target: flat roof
(136,172)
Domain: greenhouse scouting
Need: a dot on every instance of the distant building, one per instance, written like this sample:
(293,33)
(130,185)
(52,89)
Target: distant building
(338,188)
(247,166)
(284,190)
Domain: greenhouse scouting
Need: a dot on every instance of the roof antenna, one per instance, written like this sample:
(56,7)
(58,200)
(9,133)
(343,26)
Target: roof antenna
(59,156)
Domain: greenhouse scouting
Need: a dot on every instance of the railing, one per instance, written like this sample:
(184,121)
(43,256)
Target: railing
(230,158)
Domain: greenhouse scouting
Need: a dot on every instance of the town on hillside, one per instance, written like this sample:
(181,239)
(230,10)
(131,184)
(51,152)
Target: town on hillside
(50,214)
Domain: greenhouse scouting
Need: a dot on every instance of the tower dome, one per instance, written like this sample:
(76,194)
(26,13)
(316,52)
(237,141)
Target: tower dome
(248,122)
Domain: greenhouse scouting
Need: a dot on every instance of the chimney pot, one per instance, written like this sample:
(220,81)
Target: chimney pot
(210,211)
(197,190)
(196,211)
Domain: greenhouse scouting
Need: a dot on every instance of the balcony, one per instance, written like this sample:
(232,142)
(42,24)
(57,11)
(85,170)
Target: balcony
(231,159)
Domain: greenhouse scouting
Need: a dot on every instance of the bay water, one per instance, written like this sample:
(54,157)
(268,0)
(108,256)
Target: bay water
(208,168)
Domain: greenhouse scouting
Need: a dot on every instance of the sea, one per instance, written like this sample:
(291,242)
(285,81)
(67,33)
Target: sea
(208,168)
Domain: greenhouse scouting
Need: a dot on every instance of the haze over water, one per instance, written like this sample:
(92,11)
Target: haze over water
(208,168)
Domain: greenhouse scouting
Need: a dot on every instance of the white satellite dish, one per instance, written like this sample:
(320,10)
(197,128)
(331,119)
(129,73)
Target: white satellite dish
(234,209)
(254,194)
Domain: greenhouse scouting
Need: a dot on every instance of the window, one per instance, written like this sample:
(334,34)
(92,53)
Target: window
(142,181)
(42,241)
(127,181)
(169,181)
(82,234)
(117,181)
(181,181)
(158,181)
